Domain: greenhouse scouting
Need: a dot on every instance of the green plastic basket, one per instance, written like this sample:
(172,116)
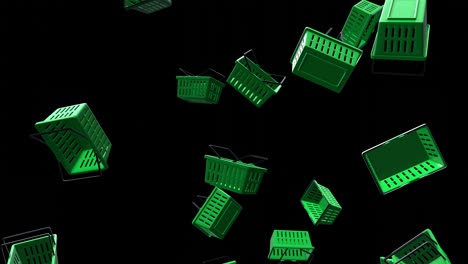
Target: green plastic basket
(75,137)
(402,32)
(38,249)
(361,23)
(217,214)
(290,245)
(147,6)
(404,159)
(320,204)
(422,249)
(233,175)
(324,60)
(199,89)
(253,82)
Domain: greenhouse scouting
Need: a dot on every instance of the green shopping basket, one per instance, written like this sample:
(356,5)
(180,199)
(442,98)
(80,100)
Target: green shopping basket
(76,139)
(217,214)
(147,6)
(404,159)
(324,60)
(253,82)
(402,31)
(220,260)
(361,23)
(320,204)
(40,248)
(233,175)
(290,245)
(199,89)
(422,249)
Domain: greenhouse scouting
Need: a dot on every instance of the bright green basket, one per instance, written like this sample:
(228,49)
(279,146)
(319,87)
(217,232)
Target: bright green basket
(404,159)
(147,6)
(422,249)
(233,175)
(290,245)
(361,23)
(253,82)
(75,137)
(324,60)
(199,89)
(402,32)
(217,214)
(320,204)
(38,249)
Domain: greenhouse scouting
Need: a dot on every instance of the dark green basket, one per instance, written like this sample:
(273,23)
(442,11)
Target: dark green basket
(233,175)
(402,32)
(147,6)
(324,60)
(37,249)
(199,89)
(361,23)
(253,82)
(404,159)
(290,245)
(75,137)
(320,204)
(422,249)
(217,214)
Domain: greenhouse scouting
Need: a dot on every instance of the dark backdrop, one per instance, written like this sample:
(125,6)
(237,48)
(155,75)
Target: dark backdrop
(123,64)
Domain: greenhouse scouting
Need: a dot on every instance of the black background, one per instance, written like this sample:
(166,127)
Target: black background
(124,63)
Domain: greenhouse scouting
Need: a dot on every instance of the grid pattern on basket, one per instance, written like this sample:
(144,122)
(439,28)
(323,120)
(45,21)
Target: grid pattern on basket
(37,251)
(402,178)
(332,210)
(292,245)
(399,39)
(361,23)
(252,81)
(203,88)
(66,143)
(320,204)
(429,145)
(149,6)
(95,133)
(238,176)
(63,112)
(333,48)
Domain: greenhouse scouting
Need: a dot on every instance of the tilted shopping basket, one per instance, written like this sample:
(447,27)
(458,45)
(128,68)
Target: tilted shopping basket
(77,140)
(402,31)
(147,6)
(320,204)
(233,175)
(249,79)
(324,60)
(404,159)
(290,245)
(217,214)
(198,88)
(361,23)
(422,249)
(40,248)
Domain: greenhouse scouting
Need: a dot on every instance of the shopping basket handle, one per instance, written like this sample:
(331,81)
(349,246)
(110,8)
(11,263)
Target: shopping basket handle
(200,197)
(35,136)
(329,30)
(405,244)
(414,250)
(276,82)
(254,59)
(311,256)
(185,72)
(44,230)
(210,69)
(260,158)
(223,258)
(228,149)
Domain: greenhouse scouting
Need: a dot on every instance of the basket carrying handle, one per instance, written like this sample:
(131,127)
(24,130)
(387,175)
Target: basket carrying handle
(217,73)
(405,244)
(185,72)
(35,137)
(219,147)
(259,158)
(40,232)
(254,59)
(200,197)
(414,250)
(223,258)
(311,256)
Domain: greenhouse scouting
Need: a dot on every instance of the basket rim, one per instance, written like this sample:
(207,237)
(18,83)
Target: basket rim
(232,162)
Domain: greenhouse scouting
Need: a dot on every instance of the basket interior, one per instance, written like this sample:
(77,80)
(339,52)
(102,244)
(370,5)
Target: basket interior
(40,250)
